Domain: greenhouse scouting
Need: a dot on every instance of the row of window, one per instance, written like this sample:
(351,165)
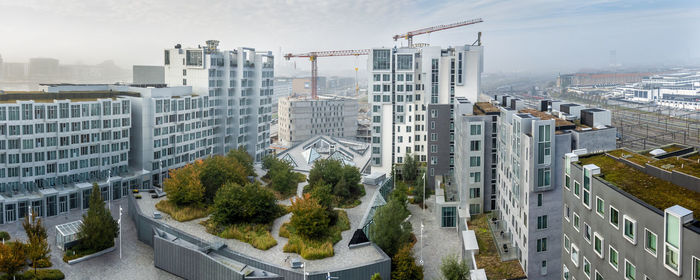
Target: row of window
(64,110)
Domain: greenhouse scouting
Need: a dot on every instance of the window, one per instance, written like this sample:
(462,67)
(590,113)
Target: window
(614,217)
(543,145)
(539,199)
(474,192)
(587,232)
(696,268)
(630,229)
(565,273)
(598,276)
(577,222)
(543,269)
(475,177)
(404,62)
(474,161)
(586,267)
(650,241)
(448,216)
(672,242)
(630,271)
(612,259)
(542,222)
(567,212)
(475,129)
(600,207)
(598,244)
(567,243)
(567,182)
(543,177)
(542,245)
(574,254)
(380,59)
(587,188)
(475,145)
(577,189)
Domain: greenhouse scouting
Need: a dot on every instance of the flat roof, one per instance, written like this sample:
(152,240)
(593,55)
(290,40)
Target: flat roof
(50,97)
(545,116)
(485,108)
(652,190)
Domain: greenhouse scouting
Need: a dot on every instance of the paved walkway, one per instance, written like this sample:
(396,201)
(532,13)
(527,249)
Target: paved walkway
(437,242)
(136,261)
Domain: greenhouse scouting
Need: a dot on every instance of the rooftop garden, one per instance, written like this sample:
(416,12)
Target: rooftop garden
(687,166)
(694,157)
(488,257)
(631,156)
(654,191)
(668,149)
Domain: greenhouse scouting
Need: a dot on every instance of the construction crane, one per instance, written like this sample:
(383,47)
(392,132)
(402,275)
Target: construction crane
(313,57)
(409,35)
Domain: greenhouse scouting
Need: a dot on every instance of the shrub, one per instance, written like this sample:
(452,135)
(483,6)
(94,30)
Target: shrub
(4,236)
(251,203)
(376,276)
(256,235)
(403,265)
(99,228)
(453,269)
(344,179)
(319,248)
(44,274)
(184,186)
(43,263)
(309,218)
(181,214)
(244,159)
(138,196)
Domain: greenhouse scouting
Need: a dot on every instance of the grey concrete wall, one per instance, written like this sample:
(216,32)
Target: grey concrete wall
(189,263)
(146,74)
(679,178)
(593,141)
(647,217)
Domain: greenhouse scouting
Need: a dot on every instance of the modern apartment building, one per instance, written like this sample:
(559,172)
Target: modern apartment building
(475,150)
(55,144)
(531,148)
(628,216)
(240,85)
(301,118)
(404,82)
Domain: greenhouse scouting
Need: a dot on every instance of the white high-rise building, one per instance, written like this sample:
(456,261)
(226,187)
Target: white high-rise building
(239,84)
(403,83)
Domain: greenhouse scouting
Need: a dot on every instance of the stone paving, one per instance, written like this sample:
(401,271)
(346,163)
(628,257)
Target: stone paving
(136,261)
(437,242)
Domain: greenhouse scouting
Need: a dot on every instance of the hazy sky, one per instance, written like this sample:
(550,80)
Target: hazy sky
(519,36)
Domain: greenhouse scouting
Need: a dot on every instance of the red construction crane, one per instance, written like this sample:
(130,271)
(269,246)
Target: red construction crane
(313,56)
(409,35)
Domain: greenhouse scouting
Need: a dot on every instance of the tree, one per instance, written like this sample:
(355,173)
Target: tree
(309,218)
(403,265)
(322,193)
(344,179)
(217,171)
(419,189)
(12,257)
(99,228)
(251,203)
(244,159)
(376,276)
(37,248)
(184,186)
(409,170)
(4,236)
(453,269)
(389,231)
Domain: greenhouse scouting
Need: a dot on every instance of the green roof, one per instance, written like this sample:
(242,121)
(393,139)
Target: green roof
(652,190)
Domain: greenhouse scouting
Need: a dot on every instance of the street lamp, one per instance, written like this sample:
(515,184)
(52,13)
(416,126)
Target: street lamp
(120,232)
(160,175)
(109,188)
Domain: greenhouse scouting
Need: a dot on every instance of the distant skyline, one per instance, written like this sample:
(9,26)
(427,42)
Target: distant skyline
(519,36)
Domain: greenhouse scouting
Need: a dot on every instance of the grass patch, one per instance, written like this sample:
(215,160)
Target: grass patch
(488,257)
(41,274)
(694,157)
(654,191)
(254,234)
(631,156)
(687,166)
(181,213)
(313,249)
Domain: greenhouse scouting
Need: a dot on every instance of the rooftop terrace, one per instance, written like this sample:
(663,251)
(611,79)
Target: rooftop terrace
(485,108)
(558,123)
(652,190)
